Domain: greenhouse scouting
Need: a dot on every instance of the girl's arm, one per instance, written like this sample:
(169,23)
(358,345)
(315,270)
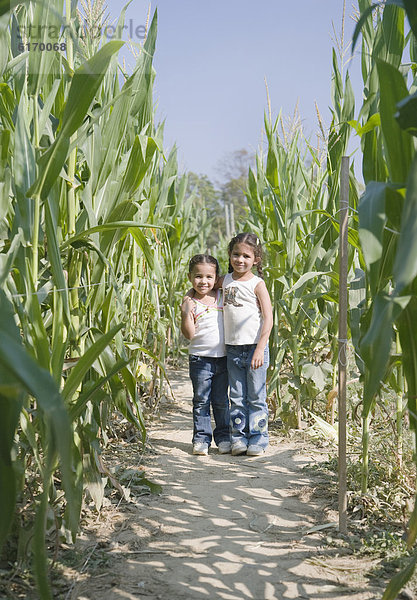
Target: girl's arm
(187,318)
(219,282)
(266,310)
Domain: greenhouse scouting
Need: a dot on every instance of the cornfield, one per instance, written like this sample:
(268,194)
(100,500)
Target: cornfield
(95,232)
(97,227)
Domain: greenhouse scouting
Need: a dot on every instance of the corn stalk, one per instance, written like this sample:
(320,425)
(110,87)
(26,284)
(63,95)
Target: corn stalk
(388,214)
(86,198)
(292,200)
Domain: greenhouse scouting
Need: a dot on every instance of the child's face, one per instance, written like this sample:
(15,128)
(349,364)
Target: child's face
(242,258)
(203,277)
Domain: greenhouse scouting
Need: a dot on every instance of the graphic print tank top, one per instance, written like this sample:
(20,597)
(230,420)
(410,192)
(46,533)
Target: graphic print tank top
(242,315)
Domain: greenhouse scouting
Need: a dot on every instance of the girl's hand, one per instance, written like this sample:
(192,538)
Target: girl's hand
(188,317)
(257,359)
(187,306)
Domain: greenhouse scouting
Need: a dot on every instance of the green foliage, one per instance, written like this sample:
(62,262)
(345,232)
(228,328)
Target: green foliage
(293,201)
(400,580)
(207,197)
(388,217)
(95,235)
(97,229)
(292,211)
(387,208)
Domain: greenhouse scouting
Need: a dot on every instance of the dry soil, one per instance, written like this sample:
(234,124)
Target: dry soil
(223,527)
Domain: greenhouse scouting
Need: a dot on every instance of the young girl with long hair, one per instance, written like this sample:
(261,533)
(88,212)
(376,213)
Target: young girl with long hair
(202,324)
(247,325)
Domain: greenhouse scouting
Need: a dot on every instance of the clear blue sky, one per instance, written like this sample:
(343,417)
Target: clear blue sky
(211,60)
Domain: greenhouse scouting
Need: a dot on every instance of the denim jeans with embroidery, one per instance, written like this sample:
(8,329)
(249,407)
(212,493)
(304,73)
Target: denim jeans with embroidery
(210,384)
(248,408)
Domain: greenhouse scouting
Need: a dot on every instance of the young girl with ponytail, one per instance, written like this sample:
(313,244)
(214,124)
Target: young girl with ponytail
(247,325)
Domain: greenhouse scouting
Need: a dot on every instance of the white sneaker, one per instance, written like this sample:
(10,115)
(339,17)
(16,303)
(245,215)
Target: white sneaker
(200,448)
(255,450)
(239,448)
(224,447)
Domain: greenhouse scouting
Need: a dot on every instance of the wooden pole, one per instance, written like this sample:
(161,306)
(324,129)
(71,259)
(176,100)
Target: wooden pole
(343,307)
(232,218)
(227,222)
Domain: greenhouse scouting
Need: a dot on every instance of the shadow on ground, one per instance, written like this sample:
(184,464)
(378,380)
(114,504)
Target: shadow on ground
(224,528)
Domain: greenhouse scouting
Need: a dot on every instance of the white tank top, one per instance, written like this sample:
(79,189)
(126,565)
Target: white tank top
(242,314)
(209,330)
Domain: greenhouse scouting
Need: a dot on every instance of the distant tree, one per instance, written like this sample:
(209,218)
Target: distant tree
(233,172)
(224,200)
(208,197)
(234,165)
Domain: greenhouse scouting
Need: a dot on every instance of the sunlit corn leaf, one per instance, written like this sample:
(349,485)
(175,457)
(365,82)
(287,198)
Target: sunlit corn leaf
(85,362)
(406,324)
(405,268)
(376,343)
(84,86)
(372,220)
(39,383)
(400,580)
(398,144)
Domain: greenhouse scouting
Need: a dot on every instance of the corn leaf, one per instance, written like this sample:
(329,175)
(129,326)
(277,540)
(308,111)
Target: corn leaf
(393,32)
(406,328)
(86,361)
(10,409)
(39,383)
(411,10)
(405,266)
(365,15)
(399,581)
(85,83)
(78,407)
(398,144)
(376,343)
(51,224)
(372,220)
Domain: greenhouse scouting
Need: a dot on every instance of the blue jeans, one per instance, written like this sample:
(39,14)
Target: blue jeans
(210,382)
(248,408)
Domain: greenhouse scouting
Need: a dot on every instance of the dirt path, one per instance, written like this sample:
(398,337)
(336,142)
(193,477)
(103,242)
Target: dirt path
(224,528)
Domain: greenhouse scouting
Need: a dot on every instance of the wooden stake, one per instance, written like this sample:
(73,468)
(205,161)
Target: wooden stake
(227,217)
(343,307)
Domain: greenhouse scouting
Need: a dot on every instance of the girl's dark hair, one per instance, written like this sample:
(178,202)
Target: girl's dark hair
(199,259)
(254,242)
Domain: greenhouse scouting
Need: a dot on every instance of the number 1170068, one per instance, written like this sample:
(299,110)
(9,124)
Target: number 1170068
(43,47)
